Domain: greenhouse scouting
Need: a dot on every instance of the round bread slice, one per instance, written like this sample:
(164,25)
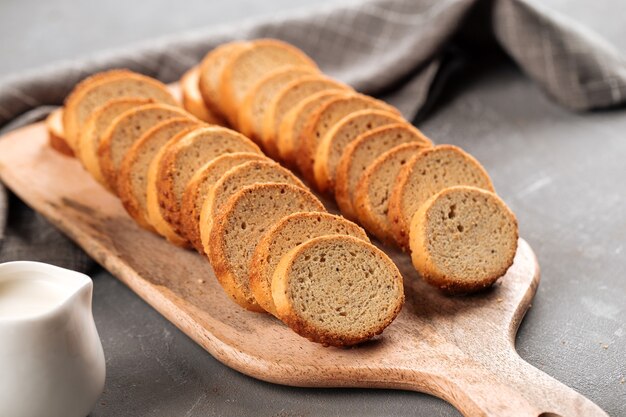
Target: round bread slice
(125,130)
(337,290)
(285,235)
(427,173)
(132,178)
(463,239)
(371,196)
(293,121)
(342,133)
(181,160)
(249,173)
(238,229)
(255,103)
(96,90)
(211,69)
(248,65)
(193,101)
(323,119)
(361,152)
(286,99)
(93,131)
(199,186)
(56,134)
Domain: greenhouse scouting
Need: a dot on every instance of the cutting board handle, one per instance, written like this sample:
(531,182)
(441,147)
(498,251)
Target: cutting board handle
(508,387)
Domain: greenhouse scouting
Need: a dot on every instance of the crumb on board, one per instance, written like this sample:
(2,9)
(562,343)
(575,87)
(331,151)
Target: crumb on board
(201,281)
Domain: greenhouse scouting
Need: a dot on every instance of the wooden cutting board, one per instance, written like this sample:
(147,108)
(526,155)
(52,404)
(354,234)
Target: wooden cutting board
(460,349)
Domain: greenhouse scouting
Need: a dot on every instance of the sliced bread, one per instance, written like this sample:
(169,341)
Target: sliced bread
(427,173)
(238,229)
(198,187)
(463,239)
(56,134)
(286,99)
(181,160)
(255,102)
(285,235)
(339,136)
(132,178)
(361,152)
(96,90)
(249,173)
(337,290)
(193,101)
(248,65)
(323,119)
(93,131)
(371,196)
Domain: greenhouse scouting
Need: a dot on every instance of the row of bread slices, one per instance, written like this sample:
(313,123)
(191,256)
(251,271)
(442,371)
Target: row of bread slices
(271,244)
(380,169)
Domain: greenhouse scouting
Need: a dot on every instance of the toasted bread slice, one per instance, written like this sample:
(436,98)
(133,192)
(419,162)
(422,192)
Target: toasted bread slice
(345,131)
(182,159)
(132,178)
(125,130)
(193,101)
(427,173)
(249,173)
(244,219)
(337,290)
(256,101)
(94,129)
(324,118)
(96,90)
(361,152)
(293,121)
(463,239)
(199,186)
(56,134)
(248,65)
(285,235)
(211,69)
(286,99)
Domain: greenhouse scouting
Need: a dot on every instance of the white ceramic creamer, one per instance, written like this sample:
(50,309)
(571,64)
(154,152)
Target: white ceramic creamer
(51,358)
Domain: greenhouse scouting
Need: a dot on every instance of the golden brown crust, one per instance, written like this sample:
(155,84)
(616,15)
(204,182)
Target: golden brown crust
(56,135)
(193,101)
(421,248)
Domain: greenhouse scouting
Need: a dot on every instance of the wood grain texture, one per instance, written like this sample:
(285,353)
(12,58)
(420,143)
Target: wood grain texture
(460,349)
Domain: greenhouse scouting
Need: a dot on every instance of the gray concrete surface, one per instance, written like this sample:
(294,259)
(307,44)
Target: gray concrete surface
(563,174)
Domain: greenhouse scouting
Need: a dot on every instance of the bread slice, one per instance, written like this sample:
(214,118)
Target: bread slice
(56,134)
(463,239)
(198,187)
(371,196)
(132,178)
(255,102)
(342,133)
(248,65)
(193,101)
(285,235)
(242,222)
(427,173)
(211,69)
(286,99)
(96,90)
(125,130)
(182,159)
(323,119)
(293,121)
(249,173)
(361,152)
(337,290)
(93,131)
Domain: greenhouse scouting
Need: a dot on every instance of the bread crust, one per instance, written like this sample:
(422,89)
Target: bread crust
(289,315)
(421,254)
(56,135)
(193,101)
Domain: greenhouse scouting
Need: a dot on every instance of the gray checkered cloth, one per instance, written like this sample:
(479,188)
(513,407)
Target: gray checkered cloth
(399,50)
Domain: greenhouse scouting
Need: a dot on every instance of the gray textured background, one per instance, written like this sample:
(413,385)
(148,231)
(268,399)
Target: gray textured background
(564,174)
